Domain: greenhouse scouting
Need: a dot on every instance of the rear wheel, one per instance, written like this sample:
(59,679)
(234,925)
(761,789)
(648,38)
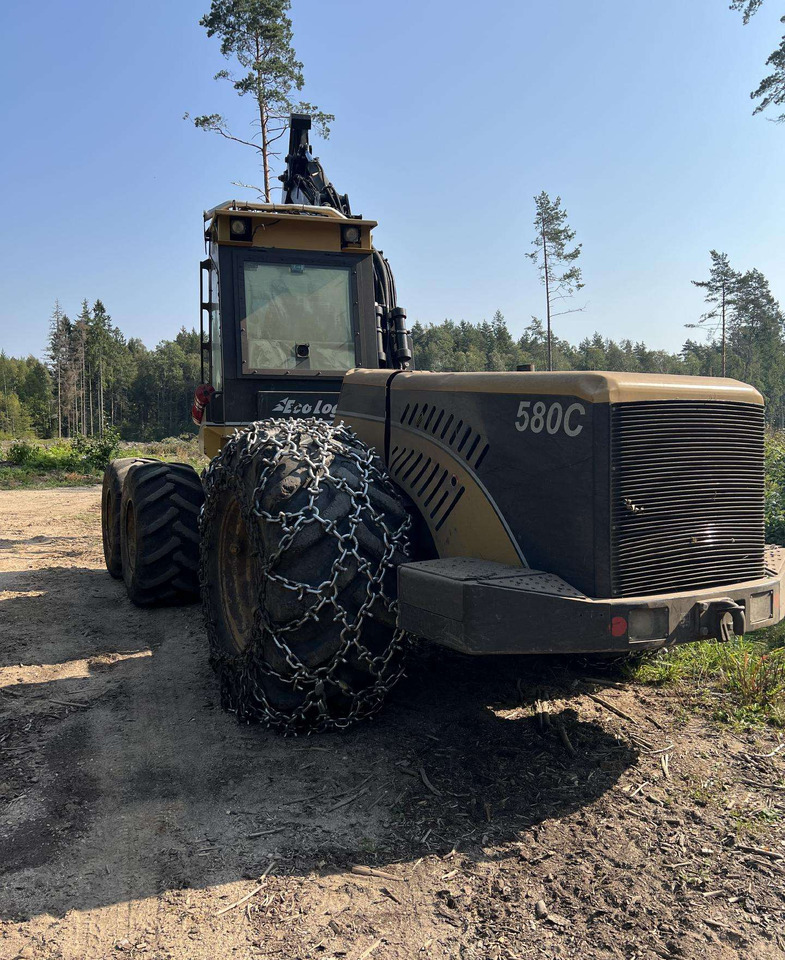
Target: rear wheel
(159,533)
(111,503)
(301,534)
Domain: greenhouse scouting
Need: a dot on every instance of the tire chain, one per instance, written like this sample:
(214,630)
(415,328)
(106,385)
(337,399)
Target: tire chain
(273,441)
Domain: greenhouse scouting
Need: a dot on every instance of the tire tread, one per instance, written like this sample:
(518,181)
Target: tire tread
(166,499)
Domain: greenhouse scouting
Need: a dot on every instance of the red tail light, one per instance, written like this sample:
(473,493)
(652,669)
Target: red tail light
(618,626)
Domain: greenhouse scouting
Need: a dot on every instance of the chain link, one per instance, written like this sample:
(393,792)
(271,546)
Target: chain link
(334,461)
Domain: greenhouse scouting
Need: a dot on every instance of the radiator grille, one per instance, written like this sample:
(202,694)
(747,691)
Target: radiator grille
(686,495)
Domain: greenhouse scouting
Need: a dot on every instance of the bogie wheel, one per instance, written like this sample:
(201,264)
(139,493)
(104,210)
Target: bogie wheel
(159,533)
(111,503)
(301,536)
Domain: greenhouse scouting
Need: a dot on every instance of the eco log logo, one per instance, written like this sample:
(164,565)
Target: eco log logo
(289,407)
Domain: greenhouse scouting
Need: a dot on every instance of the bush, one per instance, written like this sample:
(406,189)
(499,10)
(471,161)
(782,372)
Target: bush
(21,452)
(775,487)
(170,448)
(96,452)
(80,454)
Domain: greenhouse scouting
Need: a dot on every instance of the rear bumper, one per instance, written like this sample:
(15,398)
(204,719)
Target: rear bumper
(481,607)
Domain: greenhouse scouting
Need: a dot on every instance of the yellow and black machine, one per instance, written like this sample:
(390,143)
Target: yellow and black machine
(352,502)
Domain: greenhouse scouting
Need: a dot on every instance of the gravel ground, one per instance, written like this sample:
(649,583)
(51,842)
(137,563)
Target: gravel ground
(137,819)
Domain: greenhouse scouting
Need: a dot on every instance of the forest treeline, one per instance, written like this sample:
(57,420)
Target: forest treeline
(490,346)
(739,305)
(93,377)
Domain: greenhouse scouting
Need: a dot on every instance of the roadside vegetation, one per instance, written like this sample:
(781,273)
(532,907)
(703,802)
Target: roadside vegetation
(81,460)
(741,682)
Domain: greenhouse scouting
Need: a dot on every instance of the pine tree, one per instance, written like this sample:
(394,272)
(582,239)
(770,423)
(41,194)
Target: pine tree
(80,362)
(555,263)
(771,90)
(58,351)
(101,332)
(720,291)
(258,35)
(755,332)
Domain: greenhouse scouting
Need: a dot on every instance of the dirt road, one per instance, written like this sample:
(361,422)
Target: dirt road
(134,813)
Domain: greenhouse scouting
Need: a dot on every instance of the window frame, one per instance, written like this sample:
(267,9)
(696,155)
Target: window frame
(307,258)
(214,321)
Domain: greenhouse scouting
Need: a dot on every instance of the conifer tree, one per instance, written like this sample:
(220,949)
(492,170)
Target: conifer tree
(556,264)
(771,90)
(257,35)
(720,290)
(58,350)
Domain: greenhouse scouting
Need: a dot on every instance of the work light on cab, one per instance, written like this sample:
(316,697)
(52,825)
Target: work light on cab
(350,235)
(240,228)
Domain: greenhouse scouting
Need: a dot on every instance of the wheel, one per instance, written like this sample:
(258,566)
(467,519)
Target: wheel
(301,535)
(159,533)
(111,501)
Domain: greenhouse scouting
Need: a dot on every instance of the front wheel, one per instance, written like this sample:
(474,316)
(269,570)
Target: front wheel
(301,536)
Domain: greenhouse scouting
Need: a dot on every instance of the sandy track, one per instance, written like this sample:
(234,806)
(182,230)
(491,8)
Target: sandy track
(133,810)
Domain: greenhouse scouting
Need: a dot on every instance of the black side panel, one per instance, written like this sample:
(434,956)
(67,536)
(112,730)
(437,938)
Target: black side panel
(534,457)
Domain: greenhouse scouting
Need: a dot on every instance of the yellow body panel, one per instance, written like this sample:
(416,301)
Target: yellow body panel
(592,386)
(275,227)
(212,439)
(474,526)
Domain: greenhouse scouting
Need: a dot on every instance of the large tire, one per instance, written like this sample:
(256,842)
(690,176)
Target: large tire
(159,533)
(111,503)
(301,535)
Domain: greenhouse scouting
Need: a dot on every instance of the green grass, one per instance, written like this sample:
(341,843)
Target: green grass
(172,449)
(741,682)
(21,478)
(54,463)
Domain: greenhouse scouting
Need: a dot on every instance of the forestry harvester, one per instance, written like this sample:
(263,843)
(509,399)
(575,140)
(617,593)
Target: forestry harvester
(352,502)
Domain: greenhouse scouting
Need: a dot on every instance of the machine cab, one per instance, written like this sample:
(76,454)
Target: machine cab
(288,306)
(293,295)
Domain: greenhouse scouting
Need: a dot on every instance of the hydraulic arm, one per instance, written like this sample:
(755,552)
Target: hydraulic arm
(305,182)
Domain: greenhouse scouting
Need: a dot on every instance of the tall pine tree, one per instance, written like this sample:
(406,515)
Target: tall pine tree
(257,35)
(555,262)
(720,290)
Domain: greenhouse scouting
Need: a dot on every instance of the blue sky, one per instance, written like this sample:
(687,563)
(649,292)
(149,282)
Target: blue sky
(450,116)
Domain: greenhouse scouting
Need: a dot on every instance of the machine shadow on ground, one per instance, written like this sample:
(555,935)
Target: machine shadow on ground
(144,785)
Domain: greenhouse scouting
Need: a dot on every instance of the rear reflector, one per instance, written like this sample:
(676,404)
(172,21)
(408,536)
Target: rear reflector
(618,626)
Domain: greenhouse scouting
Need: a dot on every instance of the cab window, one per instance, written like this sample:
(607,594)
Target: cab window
(297,317)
